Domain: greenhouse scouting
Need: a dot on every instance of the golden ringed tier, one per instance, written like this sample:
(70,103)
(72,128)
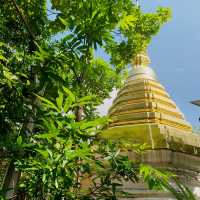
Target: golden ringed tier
(143,112)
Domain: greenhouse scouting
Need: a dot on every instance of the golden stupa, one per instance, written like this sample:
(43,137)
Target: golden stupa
(143,112)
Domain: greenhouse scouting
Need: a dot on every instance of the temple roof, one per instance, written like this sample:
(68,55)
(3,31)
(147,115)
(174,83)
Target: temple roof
(145,112)
(196,102)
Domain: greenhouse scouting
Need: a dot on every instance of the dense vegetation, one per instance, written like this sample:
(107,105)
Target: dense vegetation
(51,82)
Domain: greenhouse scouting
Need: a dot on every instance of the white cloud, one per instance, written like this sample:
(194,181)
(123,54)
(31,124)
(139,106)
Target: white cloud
(103,108)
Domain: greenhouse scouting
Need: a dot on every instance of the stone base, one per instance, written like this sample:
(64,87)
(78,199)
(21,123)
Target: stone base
(156,136)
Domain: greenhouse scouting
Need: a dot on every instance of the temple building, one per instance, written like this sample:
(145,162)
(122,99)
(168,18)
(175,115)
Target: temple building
(143,112)
(196,102)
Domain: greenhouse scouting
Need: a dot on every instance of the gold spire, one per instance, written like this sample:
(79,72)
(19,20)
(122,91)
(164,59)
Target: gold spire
(141,59)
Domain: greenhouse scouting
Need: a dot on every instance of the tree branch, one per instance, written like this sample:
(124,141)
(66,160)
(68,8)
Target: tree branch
(23,19)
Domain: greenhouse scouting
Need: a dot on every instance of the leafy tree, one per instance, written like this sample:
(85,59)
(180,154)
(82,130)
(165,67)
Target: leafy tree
(22,26)
(43,64)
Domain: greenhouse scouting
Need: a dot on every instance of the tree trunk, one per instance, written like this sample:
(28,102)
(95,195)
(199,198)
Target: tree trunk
(79,113)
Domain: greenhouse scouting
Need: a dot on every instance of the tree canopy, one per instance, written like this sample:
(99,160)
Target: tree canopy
(38,61)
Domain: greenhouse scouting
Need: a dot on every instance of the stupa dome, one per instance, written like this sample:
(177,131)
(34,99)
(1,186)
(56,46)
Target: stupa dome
(143,112)
(142,72)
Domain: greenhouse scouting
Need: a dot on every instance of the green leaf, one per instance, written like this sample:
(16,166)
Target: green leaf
(42,53)
(3,58)
(48,103)
(64,22)
(56,183)
(19,140)
(68,37)
(84,100)
(44,180)
(46,136)
(67,104)
(127,21)
(94,123)
(44,153)
(69,93)
(59,100)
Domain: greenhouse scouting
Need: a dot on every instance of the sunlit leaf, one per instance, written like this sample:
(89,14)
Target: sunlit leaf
(59,100)
(19,140)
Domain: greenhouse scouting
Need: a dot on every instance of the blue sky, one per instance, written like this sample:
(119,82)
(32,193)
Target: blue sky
(175,54)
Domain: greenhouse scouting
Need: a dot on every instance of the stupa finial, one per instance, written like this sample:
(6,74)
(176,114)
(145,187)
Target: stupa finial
(141,59)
